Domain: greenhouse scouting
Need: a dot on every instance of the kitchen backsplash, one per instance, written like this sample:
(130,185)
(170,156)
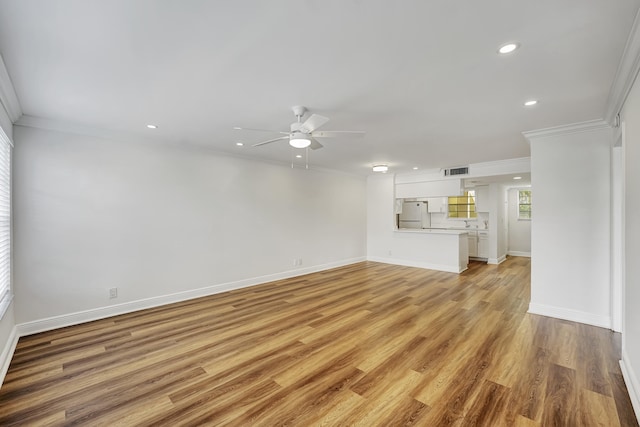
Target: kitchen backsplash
(440,220)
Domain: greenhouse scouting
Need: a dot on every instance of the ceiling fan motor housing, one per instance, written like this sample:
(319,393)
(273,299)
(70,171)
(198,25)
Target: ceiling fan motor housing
(298,111)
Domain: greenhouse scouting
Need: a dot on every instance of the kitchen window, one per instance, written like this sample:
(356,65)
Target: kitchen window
(524,204)
(463,207)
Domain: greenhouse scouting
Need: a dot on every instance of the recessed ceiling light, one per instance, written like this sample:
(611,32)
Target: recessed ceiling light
(380,168)
(517,177)
(530,103)
(152,126)
(239,144)
(415,168)
(508,48)
(298,156)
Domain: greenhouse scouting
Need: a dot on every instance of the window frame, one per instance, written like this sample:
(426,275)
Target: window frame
(530,204)
(470,195)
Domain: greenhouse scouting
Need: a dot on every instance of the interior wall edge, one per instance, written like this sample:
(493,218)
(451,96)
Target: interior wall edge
(569,314)
(632,383)
(70,319)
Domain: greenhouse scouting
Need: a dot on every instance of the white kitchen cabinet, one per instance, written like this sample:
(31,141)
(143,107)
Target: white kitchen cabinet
(482,198)
(483,244)
(473,244)
(437,204)
(448,187)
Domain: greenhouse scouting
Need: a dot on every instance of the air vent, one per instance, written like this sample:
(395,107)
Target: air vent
(456,171)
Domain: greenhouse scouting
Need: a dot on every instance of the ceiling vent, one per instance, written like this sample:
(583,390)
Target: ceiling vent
(457,171)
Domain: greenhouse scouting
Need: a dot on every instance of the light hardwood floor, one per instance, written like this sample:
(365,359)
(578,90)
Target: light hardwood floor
(368,344)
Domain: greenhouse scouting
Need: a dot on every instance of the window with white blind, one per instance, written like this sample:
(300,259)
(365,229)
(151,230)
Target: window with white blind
(5,222)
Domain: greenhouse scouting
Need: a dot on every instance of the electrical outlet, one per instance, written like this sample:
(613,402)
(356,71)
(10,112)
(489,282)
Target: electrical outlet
(297,262)
(113,293)
(389,251)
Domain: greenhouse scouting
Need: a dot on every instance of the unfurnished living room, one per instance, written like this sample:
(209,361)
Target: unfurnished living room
(319,213)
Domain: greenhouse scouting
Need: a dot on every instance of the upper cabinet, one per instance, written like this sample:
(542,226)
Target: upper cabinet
(482,198)
(448,187)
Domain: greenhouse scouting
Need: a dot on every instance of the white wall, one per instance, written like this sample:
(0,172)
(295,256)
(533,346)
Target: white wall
(631,321)
(497,224)
(570,244)
(519,230)
(158,221)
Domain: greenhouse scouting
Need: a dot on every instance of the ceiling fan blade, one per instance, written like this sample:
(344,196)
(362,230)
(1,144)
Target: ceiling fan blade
(270,141)
(338,134)
(261,130)
(315,144)
(313,123)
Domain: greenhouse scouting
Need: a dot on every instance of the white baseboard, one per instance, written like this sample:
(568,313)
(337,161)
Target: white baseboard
(7,353)
(494,261)
(419,264)
(632,382)
(569,314)
(518,253)
(55,322)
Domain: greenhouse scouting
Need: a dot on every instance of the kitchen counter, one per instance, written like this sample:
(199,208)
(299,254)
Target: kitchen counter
(435,249)
(458,228)
(432,230)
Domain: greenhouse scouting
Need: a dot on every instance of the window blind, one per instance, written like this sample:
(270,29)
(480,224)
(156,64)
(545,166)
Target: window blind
(5,222)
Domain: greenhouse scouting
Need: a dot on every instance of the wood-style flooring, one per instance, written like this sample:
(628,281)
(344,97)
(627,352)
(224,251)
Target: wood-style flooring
(368,344)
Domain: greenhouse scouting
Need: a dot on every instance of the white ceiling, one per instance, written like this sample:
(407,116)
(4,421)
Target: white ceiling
(420,77)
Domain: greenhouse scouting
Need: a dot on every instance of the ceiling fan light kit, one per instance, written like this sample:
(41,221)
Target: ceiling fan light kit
(303,134)
(299,140)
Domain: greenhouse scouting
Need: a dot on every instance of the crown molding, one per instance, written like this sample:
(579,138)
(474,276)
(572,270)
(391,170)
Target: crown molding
(55,125)
(625,75)
(8,97)
(587,126)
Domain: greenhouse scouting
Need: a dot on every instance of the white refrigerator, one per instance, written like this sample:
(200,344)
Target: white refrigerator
(414,215)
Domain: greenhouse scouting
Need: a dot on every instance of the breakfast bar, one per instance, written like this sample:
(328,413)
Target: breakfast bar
(444,250)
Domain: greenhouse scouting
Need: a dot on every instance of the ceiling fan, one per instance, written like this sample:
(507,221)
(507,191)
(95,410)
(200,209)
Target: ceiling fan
(304,134)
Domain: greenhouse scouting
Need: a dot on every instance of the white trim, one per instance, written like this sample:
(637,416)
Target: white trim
(632,383)
(418,264)
(7,353)
(519,253)
(70,319)
(496,261)
(572,315)
(628,68)
(587,126)
(8,97)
